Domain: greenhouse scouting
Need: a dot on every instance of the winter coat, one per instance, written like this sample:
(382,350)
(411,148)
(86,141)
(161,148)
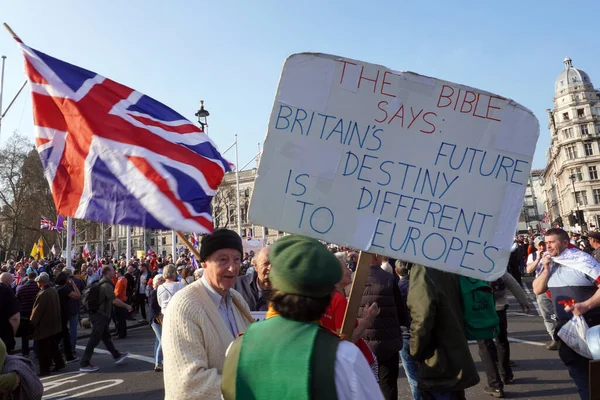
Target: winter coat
(46,316)
(437,334)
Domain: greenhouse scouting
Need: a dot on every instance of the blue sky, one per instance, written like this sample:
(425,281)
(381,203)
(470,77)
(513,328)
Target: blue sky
(230,53)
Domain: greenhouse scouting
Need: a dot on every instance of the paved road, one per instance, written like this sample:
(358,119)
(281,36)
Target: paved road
(134,378)
(539,373)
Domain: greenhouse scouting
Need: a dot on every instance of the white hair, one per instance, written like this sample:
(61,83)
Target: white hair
(158,280)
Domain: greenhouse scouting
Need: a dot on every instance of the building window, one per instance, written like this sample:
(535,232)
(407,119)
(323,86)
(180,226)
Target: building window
(266,231)
(593,173)
(578,174)
(588,149)
(581,198)
(566,116)
(580,113)
(568,132)
(152,243)
(596,196)
(597,110)
(571,152)
(164,240)
(584,129)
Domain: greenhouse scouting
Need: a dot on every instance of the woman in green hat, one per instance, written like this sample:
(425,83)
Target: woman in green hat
(289,354)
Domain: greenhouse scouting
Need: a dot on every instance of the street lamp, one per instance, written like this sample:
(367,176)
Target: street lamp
(202,115)
(572,177)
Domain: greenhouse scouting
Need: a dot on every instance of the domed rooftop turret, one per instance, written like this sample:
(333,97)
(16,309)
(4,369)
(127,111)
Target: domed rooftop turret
(571,77)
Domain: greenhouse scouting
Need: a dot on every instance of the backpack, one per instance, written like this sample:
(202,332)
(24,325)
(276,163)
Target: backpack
(479,308)
(91,297)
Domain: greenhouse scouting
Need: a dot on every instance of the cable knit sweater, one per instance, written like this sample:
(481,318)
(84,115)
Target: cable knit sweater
(194,341)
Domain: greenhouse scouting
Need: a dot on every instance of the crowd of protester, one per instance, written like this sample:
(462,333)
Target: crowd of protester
(409,315)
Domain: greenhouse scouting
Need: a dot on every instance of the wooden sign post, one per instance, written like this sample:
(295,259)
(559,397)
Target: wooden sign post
(356,292)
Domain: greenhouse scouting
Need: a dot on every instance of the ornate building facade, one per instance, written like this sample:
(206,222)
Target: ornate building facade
(571,184)
(533,211)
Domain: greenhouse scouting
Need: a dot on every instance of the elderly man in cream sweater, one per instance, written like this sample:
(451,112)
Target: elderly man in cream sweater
(202,320)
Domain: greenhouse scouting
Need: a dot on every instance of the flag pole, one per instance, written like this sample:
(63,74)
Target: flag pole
(69,242)
(237,187)
(173,247)
(117,240)
(128,248)
(2,88)
(12,33)
(101,239)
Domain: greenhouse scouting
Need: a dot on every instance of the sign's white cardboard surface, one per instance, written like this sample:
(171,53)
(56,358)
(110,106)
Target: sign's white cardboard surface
(395,163)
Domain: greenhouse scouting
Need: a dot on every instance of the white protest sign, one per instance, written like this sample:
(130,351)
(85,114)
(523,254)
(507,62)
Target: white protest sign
(258,315)
(254,245)
(395,163)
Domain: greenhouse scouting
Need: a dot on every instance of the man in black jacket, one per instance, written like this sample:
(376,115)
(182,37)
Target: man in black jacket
(251,286)
(141,282)
(384,337)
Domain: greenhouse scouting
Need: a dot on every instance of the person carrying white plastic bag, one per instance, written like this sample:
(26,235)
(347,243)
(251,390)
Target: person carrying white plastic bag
(573,278)
(574,333)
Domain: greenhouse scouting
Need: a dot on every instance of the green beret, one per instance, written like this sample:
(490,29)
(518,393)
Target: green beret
(303,266)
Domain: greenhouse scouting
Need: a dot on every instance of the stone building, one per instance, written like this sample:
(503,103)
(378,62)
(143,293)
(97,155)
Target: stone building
(225,207)
(533,211)
(570,181)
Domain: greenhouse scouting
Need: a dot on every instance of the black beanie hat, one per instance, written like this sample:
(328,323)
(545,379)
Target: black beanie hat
(220,239)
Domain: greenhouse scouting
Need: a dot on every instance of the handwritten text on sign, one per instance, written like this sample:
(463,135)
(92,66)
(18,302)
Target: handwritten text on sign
(395,163)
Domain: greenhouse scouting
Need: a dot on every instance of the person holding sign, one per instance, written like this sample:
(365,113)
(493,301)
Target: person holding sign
(202,320)
(334,314)
(384,336)
(258,365)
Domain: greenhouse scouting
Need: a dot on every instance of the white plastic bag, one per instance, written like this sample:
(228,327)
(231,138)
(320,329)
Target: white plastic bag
(573,333)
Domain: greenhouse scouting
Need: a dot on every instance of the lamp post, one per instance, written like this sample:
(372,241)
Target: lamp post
(572,177)
(202,115)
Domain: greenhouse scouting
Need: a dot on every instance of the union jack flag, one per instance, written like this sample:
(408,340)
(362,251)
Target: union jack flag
(46,224)
(546,218)
(114,155)
(194,239)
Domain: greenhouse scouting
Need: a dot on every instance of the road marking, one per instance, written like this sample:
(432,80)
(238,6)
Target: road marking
(521,314)
(510,339)
(149,360)
(526,342)
(49,385)
(63,374)
(107,384)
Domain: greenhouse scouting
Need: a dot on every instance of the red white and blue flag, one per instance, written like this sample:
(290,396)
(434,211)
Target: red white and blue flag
(46,224)
(114,155)
(194,239)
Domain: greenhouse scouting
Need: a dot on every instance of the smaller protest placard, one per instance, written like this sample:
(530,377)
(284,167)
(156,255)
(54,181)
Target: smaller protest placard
(258,315)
